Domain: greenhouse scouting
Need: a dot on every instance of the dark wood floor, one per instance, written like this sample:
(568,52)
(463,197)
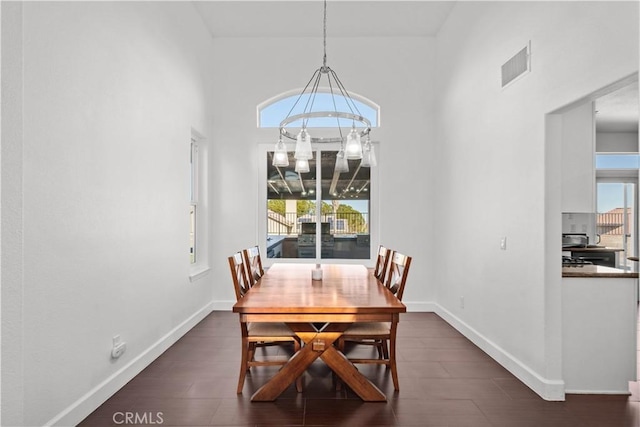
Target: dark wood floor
(445,380)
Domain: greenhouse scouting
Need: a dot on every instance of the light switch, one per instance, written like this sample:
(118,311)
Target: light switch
(503,243)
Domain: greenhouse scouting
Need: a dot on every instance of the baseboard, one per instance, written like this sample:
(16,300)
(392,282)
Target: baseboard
(222,305)
(420,307)
(88,403)
(609,392)
(552,390)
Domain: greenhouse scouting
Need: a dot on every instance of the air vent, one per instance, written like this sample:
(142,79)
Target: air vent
(517,66)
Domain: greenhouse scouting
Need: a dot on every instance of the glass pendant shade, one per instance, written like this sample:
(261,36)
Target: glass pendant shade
(354,146)
(373,160)
(303,146)
(280,156)
(342,165)
(368,155)
(302,166)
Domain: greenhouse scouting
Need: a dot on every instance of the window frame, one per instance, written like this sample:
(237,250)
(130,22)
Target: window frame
(261,208)
(616,172)
(198,197)
(623,177)
(193,200)
(322,89)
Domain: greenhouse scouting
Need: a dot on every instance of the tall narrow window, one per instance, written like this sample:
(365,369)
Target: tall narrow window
(193,207)
(199,214)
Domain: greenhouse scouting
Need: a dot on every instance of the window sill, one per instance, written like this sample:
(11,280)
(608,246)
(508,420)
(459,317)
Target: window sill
(199,273)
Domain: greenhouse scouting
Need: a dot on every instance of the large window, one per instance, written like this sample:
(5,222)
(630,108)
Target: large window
(321,214)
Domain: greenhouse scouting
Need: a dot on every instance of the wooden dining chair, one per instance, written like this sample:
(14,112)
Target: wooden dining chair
(382,262)
(253,263)
(257,334)
(380,272)
(374,333)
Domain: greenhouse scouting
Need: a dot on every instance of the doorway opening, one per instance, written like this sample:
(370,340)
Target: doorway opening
(610,191)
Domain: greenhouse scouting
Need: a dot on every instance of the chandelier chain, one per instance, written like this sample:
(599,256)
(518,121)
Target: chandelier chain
(324,37)
(324,67)
(352,112)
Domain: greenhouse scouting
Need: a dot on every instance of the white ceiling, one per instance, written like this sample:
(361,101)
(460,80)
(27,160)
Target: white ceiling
(345,18)
(618,110)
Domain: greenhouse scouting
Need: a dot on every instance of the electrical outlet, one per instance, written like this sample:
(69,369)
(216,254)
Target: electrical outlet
(461,302)
(118,348)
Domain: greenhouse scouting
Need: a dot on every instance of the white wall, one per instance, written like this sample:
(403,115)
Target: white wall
(578,164)
(11,213)
(110,93)
(498,176)
(396,73)
(616,142)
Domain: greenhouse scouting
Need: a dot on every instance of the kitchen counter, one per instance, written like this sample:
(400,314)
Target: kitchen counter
(592,249)
(274,246)
(274,240)
(597,271)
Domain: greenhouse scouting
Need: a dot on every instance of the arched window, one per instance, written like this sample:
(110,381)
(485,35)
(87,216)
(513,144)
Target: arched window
(274,110)
(321,214)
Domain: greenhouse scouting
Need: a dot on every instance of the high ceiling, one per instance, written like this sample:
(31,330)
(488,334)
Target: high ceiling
(360,18)
(617,112)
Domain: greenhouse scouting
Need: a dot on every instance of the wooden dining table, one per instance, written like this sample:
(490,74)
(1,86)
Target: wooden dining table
(318,312)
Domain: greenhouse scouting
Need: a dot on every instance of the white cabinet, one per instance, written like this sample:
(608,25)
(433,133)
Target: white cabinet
(578,161)
(599,347)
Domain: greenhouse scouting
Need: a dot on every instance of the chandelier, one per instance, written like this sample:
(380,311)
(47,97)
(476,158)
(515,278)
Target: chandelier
(351,147)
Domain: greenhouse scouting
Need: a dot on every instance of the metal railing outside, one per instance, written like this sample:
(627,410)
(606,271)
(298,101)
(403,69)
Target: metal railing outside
(351,223)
